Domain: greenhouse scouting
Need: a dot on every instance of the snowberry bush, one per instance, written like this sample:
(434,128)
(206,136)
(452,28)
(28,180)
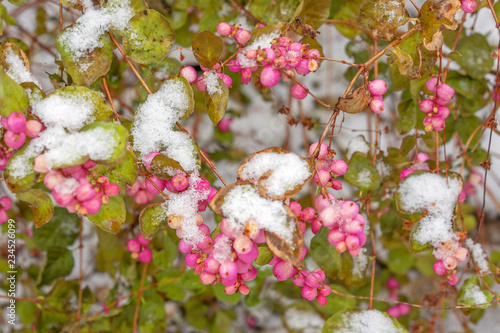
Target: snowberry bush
(245,166)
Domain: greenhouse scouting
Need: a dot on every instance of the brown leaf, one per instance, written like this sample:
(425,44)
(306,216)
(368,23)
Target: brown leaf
(356,101)
(434,16)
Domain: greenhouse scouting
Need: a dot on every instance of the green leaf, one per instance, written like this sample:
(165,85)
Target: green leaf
(165,258)
(17,2)
(148,38)
(207,48)
(111,215)
(123,174)
(164,167)
(220,294)
(350,321)
(313,12)
(217,102)
(15,184)
(61,231)
(265,256)
(465,127)
(382,17)
(119,134)
(86,70)
(196,314)
(348,12)
(152,218)
(362,173)
(408,144)
(41,205)
(110,252)
(472,294)
(475,60)
(59,263)
(13,98)
(324,254)
(434,16)
(400,260)
(407,110)
(353,276)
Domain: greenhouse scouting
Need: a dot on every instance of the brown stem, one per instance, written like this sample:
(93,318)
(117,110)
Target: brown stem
(105,84)
(139,295)
(80,277)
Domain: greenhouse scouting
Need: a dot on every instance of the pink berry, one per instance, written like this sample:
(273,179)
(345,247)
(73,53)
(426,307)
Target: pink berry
(325,290)
(92,206)
(89,164)
(284,41)
(234,66)
(439,268)
(323,151)
(308,214)
(145,256)
(427,106)
(189,73)
(33,128)
(298,91)
(40,164)
(242,36)
(111,190)
(5,202)
(4,216)
(180,182)
(352,242)
(246,75)
(321,202)
(303,67)
(438,123)
(228,270)
(283,270)
(322,177)
(377,87)
(453,279)
(445,92)
(160,184)
(249,256)
(250,274)
(200,83)
(226,79)
(143,241)
(185,247)
(394,311)
(431,84)
(224,28)
(16,122)
(85,191)
(207,278)
(192,259)
(443,112)
(336,184)
(349,209)
(242,244)
(309,293)
(313,53)
(148,158)
(295,207)
(469,6)
(392,283)
(269,76)
(244,289)
(299,280)
(338,167)
(376,105)
(335,236)
(13,140)
(270,57)
(329,216)
(133,246)
(224,124)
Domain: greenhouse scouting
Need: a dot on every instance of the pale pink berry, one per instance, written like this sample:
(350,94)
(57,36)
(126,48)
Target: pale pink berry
(16,122)
(341,247)
(160,184)
(242,244)
(308,214)
(133,246)
(85,191)
(439,268)
(283,271)
(313,65)
(469,6)
(180,182)
(207,278)
(376,105)
(145,256)
(354,252)
(349,209)
(404,309)
(189,73)
(312,280)
(312,53)
(452,279)
(40,165)
(13,140)
(445,92)
(352,242)
(284,41)
(52,179)
(421,157)
(246,75)
(111,190)
(228,270)
(322,177)
(230,288)
(303,67)
(321,202)
(5,202)
(426,105)
(323,151)
(377,87)
(234,66)
(338,167)
(298,91)
(244,289)
(225,124)
(92,206)
(250,275)
(329,216)
(295,207)
(461,254)
(33,128)
(251,54)
(431,84)
(309,293)
(224,28)
(250,256)
(200,83)
(242,36)
(293,59)
(269,77)
(450,263)
(335,236)
(186,248)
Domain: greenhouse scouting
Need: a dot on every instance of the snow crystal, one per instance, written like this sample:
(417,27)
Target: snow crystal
(433,230)
(476,295)
(263,42)
(289,171)
(431,192)
(359,263)
(370,321)
(185,204)
(243,203)
(357,144)
(212,83)
(70,112)
(304,321)
(17,70)
(154,121)
(67,186)
(84,36)
(478,256)
(364,177)
(222,250)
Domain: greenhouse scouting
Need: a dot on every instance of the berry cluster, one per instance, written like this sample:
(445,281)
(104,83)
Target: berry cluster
(306,215)
(398,310)
(18,128)
(140,192)
(326,166)
(228,259)
(241,36)
(419,163)
(469,6)
(78,189)
(283,55)
(189,73)
(377,88)
(435,106)
(344,221)
(138,247)
(449,254)
(5,205)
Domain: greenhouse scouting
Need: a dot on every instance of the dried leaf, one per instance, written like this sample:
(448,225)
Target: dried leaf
(382,17)
(216,102)
(356,101)
(435,15)
(207,48)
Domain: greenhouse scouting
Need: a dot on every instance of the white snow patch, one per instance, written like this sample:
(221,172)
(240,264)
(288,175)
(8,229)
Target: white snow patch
(357,144)
(212,83)
(475,295)
(84,36)
(154,121)
(359,263)
(478,256)
(17,70)
(288,171)
(223,249)
(364,177)
(304,321)
(243,203)
(370,321)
